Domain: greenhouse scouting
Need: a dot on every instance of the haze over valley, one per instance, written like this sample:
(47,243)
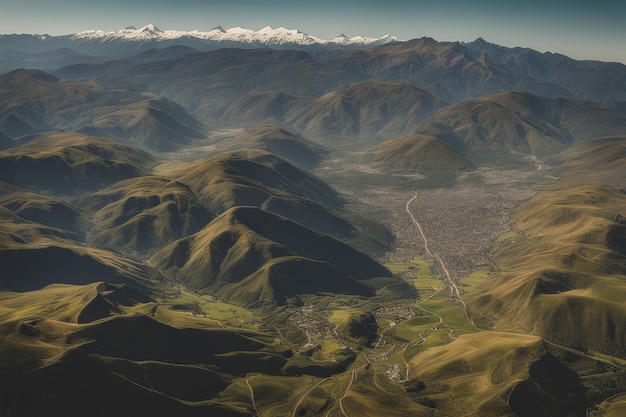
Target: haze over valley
(268,223)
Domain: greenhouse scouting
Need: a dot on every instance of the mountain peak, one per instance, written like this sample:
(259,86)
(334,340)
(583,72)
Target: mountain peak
(266,36)
(150,28)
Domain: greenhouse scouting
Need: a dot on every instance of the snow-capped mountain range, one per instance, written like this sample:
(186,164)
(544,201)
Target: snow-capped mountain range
(266,36)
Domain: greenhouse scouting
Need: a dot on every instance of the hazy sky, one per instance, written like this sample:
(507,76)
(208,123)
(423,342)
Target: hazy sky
(580,29)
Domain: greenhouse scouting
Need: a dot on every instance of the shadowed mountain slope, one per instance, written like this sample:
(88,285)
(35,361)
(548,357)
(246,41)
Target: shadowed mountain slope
(143,214)
(73,334)
(562,276)
(32,101)
(259,107)
(243,240)
(289,276)
(43,209)
(6,141)
(66,162)
(556,75)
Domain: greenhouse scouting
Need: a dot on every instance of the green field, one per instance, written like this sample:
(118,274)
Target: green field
(418,265)
(410,330)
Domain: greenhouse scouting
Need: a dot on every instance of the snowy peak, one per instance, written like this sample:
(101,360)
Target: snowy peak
(265,36)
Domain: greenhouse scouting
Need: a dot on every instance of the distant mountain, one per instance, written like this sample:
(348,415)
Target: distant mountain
(520,124)
(355,93)
(553,74)
(367,109)
(35,51)
(266,36)
(417,153)
(32,101)
(278,141)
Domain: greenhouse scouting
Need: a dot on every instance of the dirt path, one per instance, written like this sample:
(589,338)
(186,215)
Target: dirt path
(256,411)
(305,394)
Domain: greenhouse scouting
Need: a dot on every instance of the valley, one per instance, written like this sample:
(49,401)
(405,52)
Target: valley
(389,229)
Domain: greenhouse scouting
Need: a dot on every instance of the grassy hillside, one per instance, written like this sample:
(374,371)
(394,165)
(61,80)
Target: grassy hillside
(562,277)
(520,124)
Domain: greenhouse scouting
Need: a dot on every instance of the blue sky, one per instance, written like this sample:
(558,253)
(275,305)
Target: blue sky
(583,30)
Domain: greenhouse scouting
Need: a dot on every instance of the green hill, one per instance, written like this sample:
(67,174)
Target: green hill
(562,278)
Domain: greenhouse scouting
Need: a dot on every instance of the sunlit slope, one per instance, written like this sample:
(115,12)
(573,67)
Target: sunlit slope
(243,240)
(32,101)
(278,141)
(66,162)
(143,214)
(502,374)
(562,276)
(417,153)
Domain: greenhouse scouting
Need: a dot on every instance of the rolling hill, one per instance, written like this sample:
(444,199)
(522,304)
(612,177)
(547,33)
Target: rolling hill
(71,334)
(598,162)
(520,124)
